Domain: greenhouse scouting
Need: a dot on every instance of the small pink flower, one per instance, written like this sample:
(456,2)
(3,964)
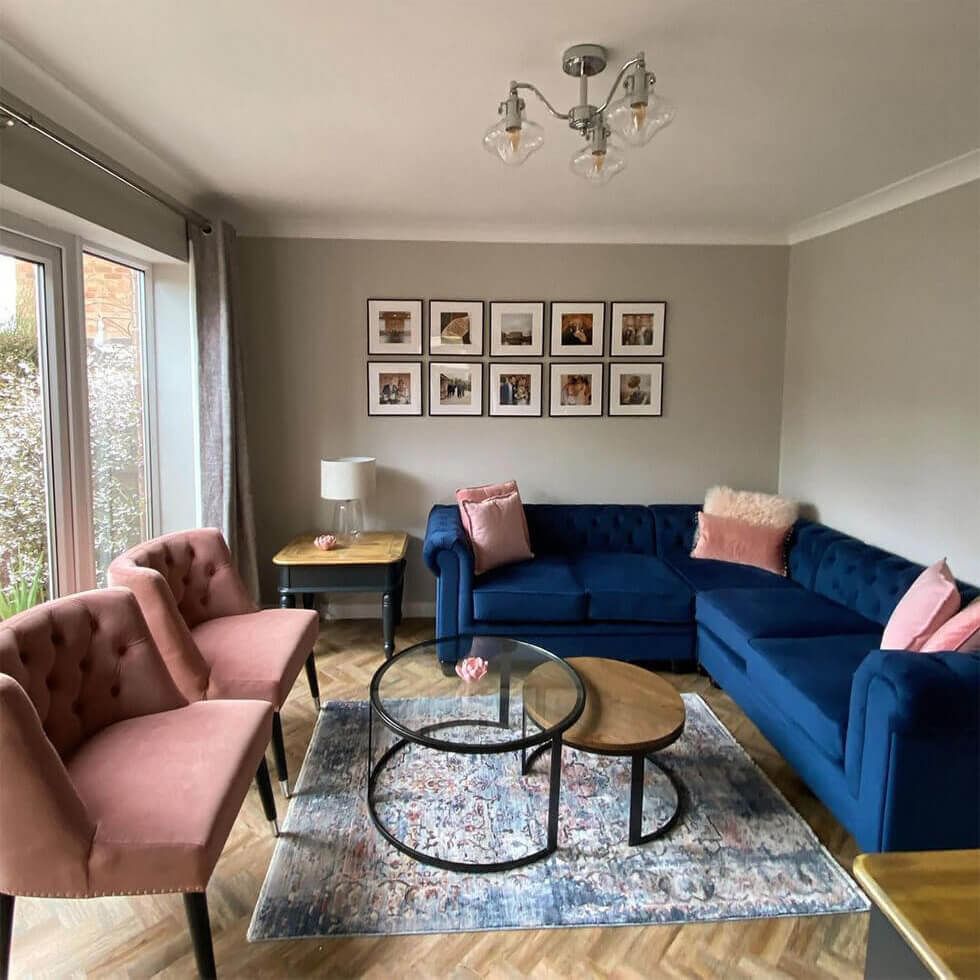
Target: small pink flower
(471,669)
(324,541)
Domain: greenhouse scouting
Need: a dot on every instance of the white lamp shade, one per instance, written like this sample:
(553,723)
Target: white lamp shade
(347,478)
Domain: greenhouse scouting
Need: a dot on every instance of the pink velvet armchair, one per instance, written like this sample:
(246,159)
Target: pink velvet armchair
(215,641)
(112,783)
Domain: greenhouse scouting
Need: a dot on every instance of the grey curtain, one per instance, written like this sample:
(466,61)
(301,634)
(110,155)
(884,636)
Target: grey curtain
(226,495)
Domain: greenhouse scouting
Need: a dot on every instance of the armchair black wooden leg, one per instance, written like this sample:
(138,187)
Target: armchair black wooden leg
(6,933)
(313,681)
(264,785)
(279,753)
(196,906)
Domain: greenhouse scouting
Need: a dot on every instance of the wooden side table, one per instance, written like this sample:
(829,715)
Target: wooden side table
(374,562)
(925,921)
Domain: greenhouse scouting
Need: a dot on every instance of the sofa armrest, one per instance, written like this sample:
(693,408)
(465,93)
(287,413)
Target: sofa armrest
(45,830)
(444,532)
(448,554)
(913,741)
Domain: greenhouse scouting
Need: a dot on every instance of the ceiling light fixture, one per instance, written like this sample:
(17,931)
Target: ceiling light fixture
(635,117)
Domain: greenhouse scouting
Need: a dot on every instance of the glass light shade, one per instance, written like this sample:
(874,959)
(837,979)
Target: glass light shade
(597,168)
(638,124)
(513,146)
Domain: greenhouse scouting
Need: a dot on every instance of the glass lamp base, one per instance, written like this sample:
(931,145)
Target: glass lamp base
(348,520)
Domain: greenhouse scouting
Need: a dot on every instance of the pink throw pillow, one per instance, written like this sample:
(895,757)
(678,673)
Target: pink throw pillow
(497,531)
(931,600)
(729,539)
(960,634)
(476,494)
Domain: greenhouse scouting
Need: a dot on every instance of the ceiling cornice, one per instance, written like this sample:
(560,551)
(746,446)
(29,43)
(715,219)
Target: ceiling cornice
(943,177)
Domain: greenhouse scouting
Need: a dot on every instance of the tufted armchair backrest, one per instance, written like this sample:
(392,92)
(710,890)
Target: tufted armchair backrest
(575,528)
(86,661)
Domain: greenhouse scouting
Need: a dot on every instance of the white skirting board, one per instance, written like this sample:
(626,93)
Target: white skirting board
(366,609)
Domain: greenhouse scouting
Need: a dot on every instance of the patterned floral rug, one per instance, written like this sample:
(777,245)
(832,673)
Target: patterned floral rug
(739,851)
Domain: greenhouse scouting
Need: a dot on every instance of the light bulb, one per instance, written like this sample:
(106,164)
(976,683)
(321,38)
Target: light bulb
(513,144)
(638,123)
(598,167)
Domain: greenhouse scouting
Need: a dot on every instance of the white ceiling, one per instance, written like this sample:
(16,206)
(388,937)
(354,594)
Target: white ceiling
(330,118)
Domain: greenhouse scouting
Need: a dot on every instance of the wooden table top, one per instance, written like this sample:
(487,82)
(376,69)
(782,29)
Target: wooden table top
(370,548)
(627,709)
(932,898)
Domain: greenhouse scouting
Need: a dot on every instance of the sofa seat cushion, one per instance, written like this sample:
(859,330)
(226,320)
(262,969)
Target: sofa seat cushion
(707,574)
(163,791)
(739,615)
(633,588)
(809,679)
(257,655)
(543,590)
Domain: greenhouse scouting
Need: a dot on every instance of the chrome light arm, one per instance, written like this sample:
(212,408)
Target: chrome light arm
(640,59)
(514,86)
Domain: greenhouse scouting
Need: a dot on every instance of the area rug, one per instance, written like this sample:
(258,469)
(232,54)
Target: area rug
(739,851)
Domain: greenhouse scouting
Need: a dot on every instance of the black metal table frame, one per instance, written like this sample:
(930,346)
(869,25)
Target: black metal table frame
(388,578)
(551,738)
(638,762)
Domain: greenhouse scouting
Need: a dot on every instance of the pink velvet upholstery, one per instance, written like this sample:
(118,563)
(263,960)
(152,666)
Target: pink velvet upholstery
(215,641)
(112,783)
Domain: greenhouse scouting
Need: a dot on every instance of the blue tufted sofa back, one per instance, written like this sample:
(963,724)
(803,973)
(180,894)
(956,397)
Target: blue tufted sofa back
(575,528)
(806,547)
(675,529)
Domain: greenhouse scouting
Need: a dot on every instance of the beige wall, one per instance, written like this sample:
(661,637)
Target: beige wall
(305,352)
(881,412)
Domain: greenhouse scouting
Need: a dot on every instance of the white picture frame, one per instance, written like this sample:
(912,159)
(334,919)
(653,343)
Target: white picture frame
(456,328)
(512,320)
(637,329)
(394,326)
(405,377)
(636,389)
(513,405)
(455,388)
(576,390)
(577,329)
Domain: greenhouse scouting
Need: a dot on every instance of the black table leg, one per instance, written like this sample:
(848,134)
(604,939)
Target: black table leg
(287,600)
(554,793)
(308,598)
(637,770)
(388,622)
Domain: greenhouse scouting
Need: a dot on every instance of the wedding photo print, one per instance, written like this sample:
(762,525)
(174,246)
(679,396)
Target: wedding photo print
(394,388)
(456,327)
(455,389)
(576,389)
(515,390)
(517,329)
(577,329)
(636,389)
(394,326)
(638,329)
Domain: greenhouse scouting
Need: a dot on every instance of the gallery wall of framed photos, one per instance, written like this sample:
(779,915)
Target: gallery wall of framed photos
(600,358)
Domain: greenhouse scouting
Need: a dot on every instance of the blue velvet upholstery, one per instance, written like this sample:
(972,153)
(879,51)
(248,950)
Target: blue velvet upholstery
(564,529)
(544,590)
(887,740)
(740,615)
(639,588)
(810,679)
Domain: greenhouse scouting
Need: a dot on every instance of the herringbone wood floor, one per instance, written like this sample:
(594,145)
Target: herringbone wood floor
(147,935)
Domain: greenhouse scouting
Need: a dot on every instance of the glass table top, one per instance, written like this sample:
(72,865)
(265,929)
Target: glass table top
(420,695)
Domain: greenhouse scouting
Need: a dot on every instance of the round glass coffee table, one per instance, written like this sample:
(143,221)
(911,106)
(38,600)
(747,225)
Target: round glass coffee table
(418,697)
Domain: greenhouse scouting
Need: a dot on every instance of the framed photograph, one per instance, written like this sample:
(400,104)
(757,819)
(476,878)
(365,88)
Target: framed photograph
(517,329)
(455,388)
(515,389)
(394,387)
(394,326)
(638,329)
(576,389)
(636,389)
(456,327)
(577,329)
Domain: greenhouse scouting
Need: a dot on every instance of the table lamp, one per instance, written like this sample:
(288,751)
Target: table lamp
(347,480)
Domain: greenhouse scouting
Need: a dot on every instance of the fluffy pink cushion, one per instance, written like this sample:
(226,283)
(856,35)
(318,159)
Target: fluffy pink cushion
(497,530)
(961,633)
(728,539)
(931,600)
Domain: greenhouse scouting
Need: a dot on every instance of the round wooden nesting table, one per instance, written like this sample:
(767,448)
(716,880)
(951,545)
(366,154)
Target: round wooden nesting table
(628,711)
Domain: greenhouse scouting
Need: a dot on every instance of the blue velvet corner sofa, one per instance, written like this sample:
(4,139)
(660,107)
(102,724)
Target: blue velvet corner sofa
(889,740)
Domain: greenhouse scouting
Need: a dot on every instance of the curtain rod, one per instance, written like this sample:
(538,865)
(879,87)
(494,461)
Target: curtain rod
(18,111)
